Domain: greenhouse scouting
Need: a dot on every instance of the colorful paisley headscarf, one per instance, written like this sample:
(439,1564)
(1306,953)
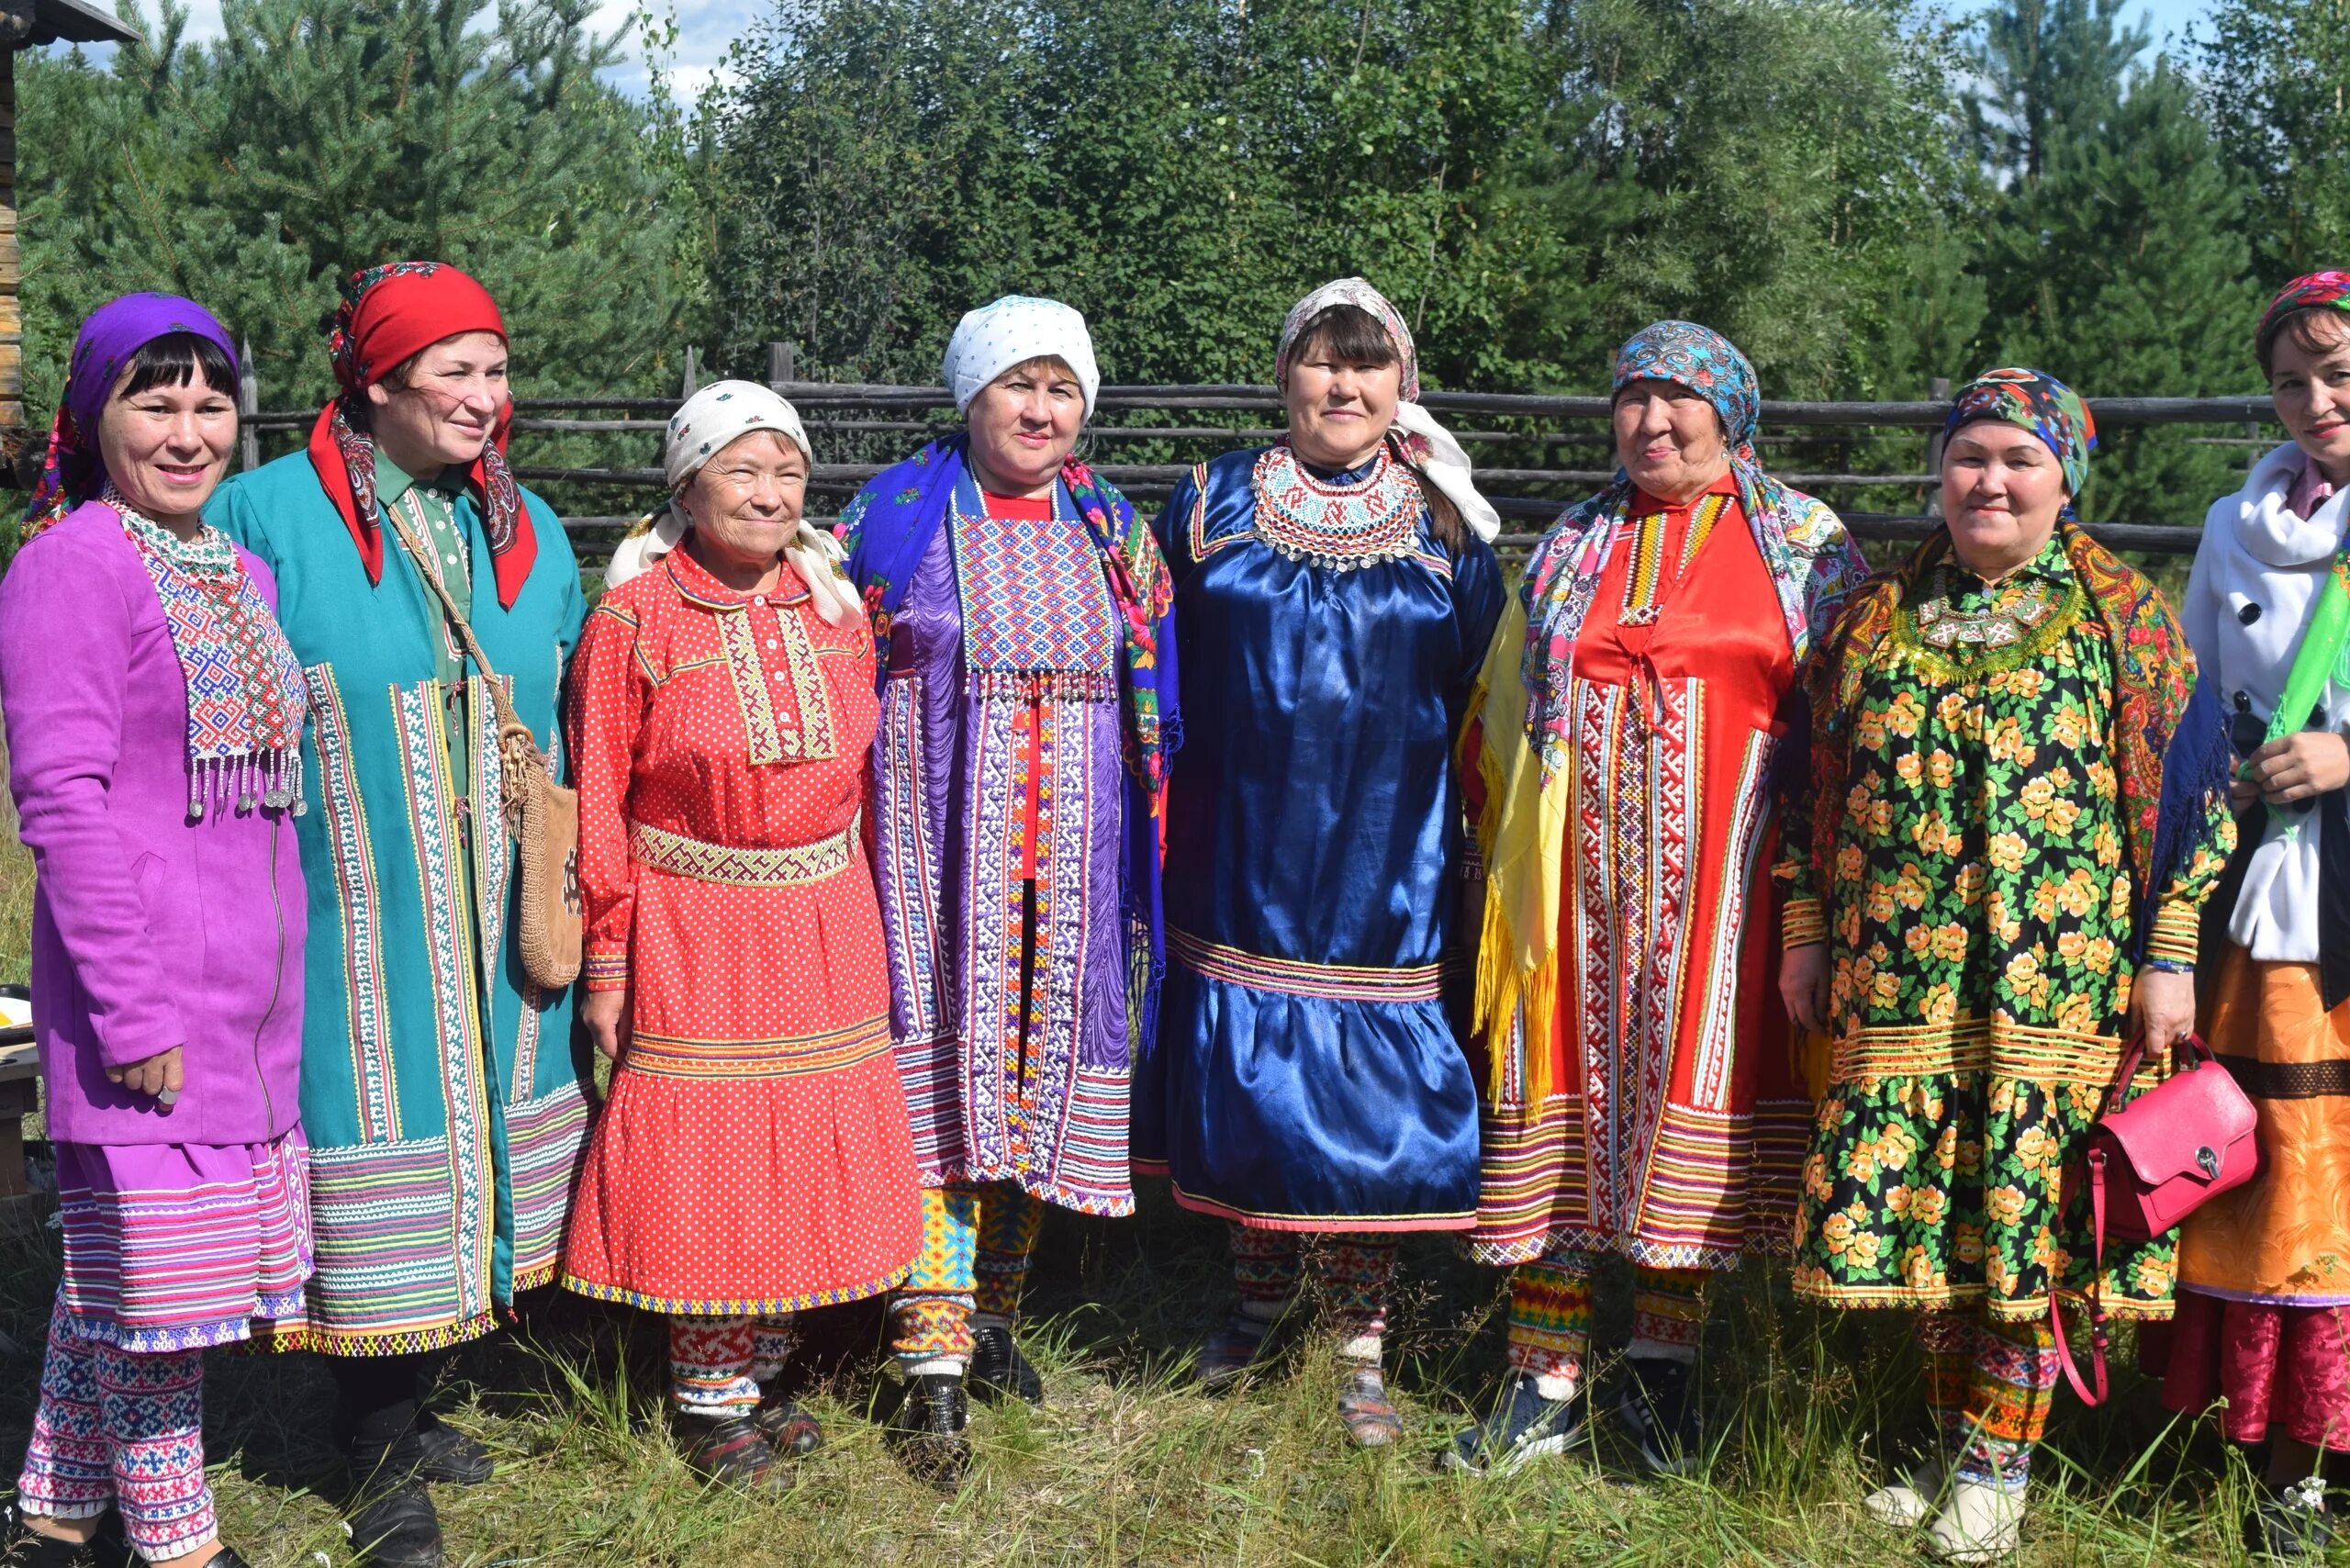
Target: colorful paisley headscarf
(1709,364)
(2313,291)
(113,333)
(2038,402)
(388,315)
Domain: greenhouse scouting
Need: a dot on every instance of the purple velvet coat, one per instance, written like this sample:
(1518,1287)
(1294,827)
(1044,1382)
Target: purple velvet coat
(149,931)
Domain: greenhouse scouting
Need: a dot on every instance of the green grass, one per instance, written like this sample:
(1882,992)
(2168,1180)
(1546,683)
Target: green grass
(1124,1465)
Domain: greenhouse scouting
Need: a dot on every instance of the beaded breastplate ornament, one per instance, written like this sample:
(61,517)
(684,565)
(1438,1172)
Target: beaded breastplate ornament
(1344,527)
(2019,611)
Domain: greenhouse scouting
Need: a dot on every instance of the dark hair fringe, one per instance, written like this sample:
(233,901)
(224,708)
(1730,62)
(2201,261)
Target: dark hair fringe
(2302,325)
(1352,335)
(175,359)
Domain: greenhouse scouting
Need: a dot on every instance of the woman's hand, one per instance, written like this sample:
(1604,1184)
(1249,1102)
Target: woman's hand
(159,1075)
(1803,986)
(2296,767)
(2162,1008)
(604,1014)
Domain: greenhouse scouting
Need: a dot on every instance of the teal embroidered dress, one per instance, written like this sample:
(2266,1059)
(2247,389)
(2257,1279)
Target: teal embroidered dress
(445,1104)
(1979,912)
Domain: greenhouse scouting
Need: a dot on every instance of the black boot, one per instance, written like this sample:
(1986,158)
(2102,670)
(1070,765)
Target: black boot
(928,1429)
(389,1513)
(997,1368)
(446,1454)
(24,1547)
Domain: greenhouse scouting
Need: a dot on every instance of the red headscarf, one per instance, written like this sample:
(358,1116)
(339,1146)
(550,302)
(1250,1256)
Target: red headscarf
(388,314)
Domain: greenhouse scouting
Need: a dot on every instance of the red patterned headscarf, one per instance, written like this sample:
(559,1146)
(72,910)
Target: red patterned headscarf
(2316,291)
(388,315)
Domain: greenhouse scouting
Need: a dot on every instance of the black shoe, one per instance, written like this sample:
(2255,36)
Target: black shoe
(791,1431)
(444,1453)
(928,1429)
(2289,1525)
(999,1369)
(227,1558)
(24,1547)
(1660,1408)
(733,1451)
(396,1529)
(1523,1427)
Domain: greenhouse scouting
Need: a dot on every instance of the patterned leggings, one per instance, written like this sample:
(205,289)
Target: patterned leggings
(977,1244)
(114,1427)
(716,1364)
(1990,1385)
(1350,1273)
(1551,1313)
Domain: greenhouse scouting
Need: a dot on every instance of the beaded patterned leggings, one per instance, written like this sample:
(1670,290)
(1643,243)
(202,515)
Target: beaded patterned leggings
(1551,1313)
(716,1364)
(111,1427)
(977,1246)
(1350,1274)
(1990,1386)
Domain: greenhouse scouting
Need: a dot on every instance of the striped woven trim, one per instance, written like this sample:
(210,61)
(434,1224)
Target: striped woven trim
(1331,982)
(662,1056)
(735,1306)
(794,867)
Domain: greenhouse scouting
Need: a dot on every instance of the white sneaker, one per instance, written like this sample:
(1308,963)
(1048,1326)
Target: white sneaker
(1980,1524)
(1908,1501)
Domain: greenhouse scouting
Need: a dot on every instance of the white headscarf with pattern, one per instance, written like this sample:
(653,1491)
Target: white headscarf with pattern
(708,423)
(1011,331)
(1432,449)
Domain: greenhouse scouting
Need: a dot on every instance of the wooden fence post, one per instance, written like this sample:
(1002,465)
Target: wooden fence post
(1939,389)
(247,405)
(782,363)
(693,372)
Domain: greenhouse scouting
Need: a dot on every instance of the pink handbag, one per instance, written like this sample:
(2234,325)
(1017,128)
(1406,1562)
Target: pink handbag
(2151,1164)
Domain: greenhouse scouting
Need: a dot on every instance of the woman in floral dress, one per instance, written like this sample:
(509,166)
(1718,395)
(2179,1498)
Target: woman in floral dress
(1986,910)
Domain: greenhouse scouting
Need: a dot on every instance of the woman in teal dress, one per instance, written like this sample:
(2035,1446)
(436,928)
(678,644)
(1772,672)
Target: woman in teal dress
(446,1103)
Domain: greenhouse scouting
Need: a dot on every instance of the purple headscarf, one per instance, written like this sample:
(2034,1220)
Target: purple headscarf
(112,334)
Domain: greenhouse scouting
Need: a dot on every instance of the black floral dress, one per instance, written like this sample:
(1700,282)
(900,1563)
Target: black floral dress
(1979,914)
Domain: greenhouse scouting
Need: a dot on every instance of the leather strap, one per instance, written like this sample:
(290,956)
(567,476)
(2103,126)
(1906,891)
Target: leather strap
(2095,1302)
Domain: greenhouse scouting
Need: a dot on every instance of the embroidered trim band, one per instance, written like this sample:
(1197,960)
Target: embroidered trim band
(794,867)
(1292,976)
(1344,527)
(663,1056)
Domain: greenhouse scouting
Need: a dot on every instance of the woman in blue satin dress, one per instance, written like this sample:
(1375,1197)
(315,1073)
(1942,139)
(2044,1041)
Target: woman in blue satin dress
(1308,1083)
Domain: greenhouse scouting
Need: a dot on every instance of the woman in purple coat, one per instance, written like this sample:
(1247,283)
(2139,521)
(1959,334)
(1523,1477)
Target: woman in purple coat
(154,715)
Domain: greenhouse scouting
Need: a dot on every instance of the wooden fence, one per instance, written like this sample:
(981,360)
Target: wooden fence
(1533,452)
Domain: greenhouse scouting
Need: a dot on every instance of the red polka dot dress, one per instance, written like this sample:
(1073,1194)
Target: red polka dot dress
(754,1156)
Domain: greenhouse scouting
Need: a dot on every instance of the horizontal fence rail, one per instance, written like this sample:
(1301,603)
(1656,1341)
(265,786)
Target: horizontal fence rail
(1811,446)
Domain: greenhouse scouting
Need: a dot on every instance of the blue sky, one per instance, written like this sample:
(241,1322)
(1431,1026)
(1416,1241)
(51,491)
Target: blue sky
(707,29)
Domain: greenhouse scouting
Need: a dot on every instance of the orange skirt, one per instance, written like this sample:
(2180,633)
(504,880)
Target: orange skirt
(2285,1235)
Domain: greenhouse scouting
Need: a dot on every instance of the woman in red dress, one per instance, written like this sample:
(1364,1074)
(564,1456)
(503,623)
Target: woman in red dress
(754,1156)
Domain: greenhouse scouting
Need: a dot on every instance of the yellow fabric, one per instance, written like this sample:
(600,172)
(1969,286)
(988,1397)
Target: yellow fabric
(1522,833)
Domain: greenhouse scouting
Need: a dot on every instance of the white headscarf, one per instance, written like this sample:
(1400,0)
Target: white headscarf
(708,423)
(1014,330)
(1433,449)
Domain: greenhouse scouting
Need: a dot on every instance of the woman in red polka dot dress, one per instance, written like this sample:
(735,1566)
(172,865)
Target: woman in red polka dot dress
(754,1156)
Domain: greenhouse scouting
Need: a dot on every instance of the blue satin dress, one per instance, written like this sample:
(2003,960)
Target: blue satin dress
(1308,1075)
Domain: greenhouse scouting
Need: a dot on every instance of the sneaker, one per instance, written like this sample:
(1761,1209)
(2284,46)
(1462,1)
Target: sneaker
(1523,1427)
(1231,1352)
(1371,1419)
(928,1429)
(733,1451)
(997,1369)
(789,1430)
(1660,1408)
(1908,1500)
(2290,1524)
(1980,1524)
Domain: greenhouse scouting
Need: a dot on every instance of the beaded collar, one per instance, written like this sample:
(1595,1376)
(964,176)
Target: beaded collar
(1343,526)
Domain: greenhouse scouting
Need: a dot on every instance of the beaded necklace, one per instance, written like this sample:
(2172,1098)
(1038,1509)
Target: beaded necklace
(1343,526)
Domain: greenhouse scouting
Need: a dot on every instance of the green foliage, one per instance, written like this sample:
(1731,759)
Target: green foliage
(2276,84)
(2115,256)
(319,136)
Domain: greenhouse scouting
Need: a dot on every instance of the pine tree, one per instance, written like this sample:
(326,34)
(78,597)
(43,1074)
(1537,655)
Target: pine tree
(2276,83)
(2113,255)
